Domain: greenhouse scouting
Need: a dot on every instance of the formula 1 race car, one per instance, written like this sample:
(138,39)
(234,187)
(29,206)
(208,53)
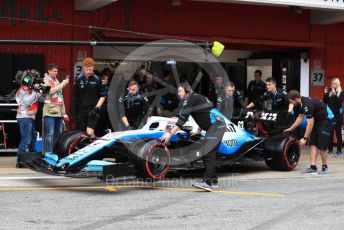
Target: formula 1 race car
(254,135)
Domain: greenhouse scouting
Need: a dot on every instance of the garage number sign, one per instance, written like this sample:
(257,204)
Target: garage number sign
(318,77)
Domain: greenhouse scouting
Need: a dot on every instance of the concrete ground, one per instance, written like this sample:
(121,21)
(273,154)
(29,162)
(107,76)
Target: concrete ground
(250,197)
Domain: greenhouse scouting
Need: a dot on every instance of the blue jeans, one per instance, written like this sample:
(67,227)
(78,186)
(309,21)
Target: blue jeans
(53,127)
(28,136)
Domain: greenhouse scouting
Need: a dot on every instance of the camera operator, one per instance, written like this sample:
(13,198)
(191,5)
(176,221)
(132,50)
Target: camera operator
(88,96)
(54,109)
(334,98)
(27,99)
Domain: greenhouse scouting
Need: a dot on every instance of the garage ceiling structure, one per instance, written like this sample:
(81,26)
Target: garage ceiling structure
(91,5)
(323,12)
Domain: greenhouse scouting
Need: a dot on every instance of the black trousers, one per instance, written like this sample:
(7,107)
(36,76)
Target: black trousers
(338,129)
(84,120)
(210,147)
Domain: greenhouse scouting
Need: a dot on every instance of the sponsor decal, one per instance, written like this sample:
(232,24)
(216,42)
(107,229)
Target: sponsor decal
(231,143)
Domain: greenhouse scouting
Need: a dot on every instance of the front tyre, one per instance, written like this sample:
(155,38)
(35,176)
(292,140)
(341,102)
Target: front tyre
(155,161)
(69,142)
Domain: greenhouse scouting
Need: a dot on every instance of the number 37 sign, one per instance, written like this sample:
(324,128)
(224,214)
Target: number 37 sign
(318,77)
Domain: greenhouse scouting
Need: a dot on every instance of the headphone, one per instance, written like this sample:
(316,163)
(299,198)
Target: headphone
(186,86)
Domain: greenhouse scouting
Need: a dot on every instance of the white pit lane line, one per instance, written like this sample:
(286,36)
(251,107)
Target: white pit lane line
(33,177)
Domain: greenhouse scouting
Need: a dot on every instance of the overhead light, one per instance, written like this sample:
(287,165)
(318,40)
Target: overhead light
(171,62)
(217,48)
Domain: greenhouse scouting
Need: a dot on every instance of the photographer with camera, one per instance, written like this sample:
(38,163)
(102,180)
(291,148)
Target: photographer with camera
(88,96)
(27,98)
(54,111)
(334,97)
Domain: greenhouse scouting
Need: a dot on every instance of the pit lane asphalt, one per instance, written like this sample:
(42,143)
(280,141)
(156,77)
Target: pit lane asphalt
(250,197)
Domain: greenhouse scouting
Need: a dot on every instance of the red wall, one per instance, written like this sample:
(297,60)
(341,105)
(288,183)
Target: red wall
(58,17)
(332,56)
(207,19)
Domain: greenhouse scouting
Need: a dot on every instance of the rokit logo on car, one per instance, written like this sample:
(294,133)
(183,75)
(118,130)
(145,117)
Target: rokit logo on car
(268,116)
(263,116)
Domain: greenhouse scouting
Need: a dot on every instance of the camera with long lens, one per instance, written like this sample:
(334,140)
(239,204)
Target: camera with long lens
(32,79)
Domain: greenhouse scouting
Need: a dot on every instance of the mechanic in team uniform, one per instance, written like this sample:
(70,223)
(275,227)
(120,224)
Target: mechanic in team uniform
(276,97)
(255,89)
(230,102)
(88,96)
(133,106)
(318,130)
(208,119)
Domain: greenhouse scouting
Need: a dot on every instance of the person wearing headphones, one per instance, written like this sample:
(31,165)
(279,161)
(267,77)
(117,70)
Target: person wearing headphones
(208,119)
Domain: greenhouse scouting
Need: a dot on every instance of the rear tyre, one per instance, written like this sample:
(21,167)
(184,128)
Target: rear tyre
(69,142)
(283,153)
(155,161)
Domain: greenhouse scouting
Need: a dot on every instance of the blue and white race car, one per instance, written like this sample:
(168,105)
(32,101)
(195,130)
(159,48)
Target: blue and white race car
(254,135)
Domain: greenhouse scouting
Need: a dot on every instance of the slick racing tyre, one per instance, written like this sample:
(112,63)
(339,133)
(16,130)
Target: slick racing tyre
(282,153)
(69,142)
(155,161)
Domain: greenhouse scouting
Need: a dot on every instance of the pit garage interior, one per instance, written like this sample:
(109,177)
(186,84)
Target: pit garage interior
(287,42)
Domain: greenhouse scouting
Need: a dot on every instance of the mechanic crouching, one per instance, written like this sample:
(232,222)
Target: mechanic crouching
(209,120)
(133,106)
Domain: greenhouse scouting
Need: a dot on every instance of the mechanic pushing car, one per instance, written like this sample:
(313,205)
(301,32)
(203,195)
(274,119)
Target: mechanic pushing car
(277,98)
(208,119)
(318,130)
(88,96)
(133,106)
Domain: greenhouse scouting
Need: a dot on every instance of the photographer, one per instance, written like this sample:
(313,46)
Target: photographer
(27,99)
(54,109)
(334,98)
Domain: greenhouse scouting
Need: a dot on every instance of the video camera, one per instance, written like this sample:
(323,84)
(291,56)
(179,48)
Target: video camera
(32,79)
